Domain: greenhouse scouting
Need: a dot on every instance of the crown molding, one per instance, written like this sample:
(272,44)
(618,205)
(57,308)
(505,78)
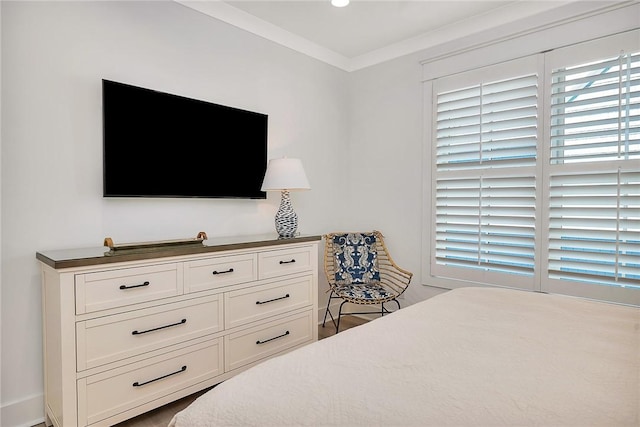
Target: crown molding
(457,30)
(245,21)
(512,12)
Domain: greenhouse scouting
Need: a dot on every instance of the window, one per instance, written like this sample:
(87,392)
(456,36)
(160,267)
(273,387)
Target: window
(537,185)
(486,137)
(593,171)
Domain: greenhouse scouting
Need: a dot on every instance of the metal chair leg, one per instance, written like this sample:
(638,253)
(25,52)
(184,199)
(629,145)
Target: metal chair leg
(339,316)
(383,310)
(336,323)
(328,311)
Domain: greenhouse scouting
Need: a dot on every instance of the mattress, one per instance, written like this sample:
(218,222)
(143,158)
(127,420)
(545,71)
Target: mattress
(468,357)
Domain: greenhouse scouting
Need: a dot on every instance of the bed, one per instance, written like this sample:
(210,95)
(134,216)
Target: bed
(470,356)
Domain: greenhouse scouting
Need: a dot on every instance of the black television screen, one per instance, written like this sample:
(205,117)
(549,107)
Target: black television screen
(157,144)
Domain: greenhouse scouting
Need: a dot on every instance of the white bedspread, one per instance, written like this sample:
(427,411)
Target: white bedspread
(469,357)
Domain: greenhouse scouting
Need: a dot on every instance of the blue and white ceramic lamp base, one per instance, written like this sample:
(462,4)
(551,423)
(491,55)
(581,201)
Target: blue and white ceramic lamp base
(286,218)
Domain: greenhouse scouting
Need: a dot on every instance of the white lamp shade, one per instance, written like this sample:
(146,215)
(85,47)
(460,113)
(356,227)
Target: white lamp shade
(285,174)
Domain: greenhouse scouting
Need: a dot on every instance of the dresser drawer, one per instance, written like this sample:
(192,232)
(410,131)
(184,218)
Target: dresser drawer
(112,338)
(116,288)
(110,393)
(257,343)
(259,302)
(284,261)
(218,272)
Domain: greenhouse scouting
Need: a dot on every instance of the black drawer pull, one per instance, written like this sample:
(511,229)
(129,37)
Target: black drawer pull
(134,286)
(137,384)
(272,300)
(222,272)
(183,321)
(288,262)
(274,338)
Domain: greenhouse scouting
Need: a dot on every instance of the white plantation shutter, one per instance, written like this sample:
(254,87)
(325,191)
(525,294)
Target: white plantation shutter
(484,184)
(535,173)
(486,223)
(594,170)
(489,125)
(595,113)
(594,233)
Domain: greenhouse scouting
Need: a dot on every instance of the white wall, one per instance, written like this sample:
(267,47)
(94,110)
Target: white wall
(54,55)
(385,145)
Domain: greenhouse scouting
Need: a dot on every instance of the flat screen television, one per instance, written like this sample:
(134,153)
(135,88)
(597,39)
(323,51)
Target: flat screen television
(156,144)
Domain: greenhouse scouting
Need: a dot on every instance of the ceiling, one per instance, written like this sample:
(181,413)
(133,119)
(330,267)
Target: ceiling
(367,31)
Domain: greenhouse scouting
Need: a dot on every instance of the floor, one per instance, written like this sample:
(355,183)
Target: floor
(162,415)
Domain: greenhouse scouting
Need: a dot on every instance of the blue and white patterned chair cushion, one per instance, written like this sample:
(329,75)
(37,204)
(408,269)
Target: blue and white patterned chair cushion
(366,291)
(356,258)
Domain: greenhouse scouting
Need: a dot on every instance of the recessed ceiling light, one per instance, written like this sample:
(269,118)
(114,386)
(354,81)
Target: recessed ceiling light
(339,3)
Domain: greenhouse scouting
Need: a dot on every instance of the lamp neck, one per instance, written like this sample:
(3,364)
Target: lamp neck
(285,200)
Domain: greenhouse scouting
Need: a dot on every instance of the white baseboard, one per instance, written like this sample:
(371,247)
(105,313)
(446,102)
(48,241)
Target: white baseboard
(27,412)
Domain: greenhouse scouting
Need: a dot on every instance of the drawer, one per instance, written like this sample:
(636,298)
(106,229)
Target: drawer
(257,343)
(218,272)
(259,302)
(112,338)
(116,288)
(107,394)
(285,261)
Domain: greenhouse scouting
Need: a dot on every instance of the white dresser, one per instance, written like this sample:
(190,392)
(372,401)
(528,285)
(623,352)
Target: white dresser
(128,331)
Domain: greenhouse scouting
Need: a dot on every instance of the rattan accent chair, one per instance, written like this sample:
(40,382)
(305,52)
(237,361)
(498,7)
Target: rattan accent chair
(360,271)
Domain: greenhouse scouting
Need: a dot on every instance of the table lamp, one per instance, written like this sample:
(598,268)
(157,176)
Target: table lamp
(285,174)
